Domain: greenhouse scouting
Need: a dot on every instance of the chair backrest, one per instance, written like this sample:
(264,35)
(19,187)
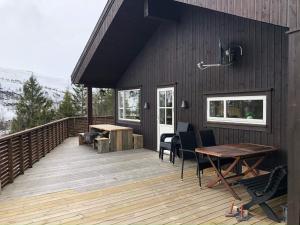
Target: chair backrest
(188,140)
(183,127)
(277,177)
(207,138)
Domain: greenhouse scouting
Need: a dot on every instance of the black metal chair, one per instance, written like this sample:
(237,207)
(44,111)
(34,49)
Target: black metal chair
(174,144)
(266,187)
(208,140)
(188,144)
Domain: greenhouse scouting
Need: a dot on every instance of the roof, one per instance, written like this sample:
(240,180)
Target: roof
(123,30)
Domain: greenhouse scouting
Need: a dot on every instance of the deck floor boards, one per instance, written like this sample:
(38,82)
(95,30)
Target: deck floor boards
(75,185)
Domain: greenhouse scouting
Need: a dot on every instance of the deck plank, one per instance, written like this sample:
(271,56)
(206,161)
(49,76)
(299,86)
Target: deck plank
(75,185)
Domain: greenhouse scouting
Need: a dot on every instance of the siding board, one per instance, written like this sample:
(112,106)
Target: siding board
(171,56)
(278,12)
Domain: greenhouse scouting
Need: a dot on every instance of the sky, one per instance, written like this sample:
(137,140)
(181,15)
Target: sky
(46,36)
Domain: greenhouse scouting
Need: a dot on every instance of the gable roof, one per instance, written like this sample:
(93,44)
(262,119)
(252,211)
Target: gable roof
(123,30)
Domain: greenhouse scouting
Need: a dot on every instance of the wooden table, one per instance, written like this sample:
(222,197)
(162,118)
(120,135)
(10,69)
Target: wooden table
(120,137)
(240,153)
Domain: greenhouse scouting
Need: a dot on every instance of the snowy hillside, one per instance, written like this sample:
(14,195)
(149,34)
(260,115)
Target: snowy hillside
(11,82)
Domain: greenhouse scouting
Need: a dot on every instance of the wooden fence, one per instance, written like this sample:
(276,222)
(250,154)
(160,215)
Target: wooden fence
(21,150)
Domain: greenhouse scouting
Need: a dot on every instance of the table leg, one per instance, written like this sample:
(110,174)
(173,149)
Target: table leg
(221,177)
(251,169)
(227,171)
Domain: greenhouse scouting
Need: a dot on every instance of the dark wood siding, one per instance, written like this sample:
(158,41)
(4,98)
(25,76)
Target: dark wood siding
(171,56)
(293,128)
(279,12)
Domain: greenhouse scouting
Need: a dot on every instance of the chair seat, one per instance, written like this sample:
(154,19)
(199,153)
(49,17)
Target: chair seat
(166,145)
(204,163)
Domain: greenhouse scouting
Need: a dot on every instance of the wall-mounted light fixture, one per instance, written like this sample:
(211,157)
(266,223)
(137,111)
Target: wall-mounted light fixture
(146,105)
(184,104)
(226,57)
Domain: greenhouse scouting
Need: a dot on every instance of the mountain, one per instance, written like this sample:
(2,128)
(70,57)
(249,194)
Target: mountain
(11,83)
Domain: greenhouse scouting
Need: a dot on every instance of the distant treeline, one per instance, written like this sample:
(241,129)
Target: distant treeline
(35,108)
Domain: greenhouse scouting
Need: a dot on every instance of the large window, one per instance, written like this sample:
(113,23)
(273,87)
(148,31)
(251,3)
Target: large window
(129,102)
(237,109)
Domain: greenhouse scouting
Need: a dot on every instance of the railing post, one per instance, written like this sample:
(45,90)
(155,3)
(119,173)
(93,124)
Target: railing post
(53,137)
(10,162)
(30,149)
(61,131)
(22,154)
(38,145)
(43,141)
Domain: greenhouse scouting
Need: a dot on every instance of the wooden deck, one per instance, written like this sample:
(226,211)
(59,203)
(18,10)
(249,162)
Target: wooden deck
(75,185)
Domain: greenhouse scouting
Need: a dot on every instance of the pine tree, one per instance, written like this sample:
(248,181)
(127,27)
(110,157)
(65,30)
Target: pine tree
(103,102)
(80,99)
(66,107)
(33,108)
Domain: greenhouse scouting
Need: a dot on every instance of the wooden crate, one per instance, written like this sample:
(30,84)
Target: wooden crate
(102,145)
(81,139)
(138,141)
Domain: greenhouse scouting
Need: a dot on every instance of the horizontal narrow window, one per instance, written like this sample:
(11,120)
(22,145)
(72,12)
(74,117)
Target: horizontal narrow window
(237,109)
(129,105)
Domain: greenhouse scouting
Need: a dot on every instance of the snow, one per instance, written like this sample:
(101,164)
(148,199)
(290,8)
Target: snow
(11,83)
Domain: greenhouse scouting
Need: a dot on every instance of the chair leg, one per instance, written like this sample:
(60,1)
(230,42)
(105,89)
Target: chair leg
(199,178)
(182,165)
(159,153)
(252,202)
(269,212)
(197,172)
(174,155)
(249,205)
(162,154)
(198,169)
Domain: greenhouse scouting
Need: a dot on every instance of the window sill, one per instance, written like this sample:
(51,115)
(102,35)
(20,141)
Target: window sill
(239,126)
(133,122)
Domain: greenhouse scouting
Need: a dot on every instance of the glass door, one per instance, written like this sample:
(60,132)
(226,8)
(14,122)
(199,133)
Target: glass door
(165,112)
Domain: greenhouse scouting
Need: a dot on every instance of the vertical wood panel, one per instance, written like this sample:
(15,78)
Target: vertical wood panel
(293,129)
(263,66)
(279,12)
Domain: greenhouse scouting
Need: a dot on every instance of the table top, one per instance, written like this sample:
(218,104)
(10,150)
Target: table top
(236,150)
(109,127)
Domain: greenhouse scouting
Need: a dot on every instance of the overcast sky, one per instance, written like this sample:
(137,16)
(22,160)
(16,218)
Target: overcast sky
(46,36)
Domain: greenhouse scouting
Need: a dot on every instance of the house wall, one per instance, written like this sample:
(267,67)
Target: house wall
(171,55)
(279,12)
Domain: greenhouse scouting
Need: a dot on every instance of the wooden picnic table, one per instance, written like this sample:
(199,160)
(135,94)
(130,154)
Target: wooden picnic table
(240,153)
(120,137)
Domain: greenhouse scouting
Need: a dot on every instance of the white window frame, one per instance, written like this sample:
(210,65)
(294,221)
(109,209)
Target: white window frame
(123,108)
(224,119)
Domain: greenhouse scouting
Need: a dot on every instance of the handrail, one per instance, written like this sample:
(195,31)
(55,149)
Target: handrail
(19,151)
(9,136)
(44,125)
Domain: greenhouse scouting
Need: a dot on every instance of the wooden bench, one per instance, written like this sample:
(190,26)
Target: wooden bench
(138,141)
(102,144)
(266,187)
(81,138)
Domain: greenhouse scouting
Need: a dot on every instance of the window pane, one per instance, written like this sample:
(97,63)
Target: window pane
(132,104)
(245,109)
(121,94)
(169,95)
(162,99)
(216,109)
(169,117)
(121,113)
(162,116)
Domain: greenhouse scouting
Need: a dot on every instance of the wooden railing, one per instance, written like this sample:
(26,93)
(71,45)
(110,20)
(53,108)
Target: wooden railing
(21,150)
